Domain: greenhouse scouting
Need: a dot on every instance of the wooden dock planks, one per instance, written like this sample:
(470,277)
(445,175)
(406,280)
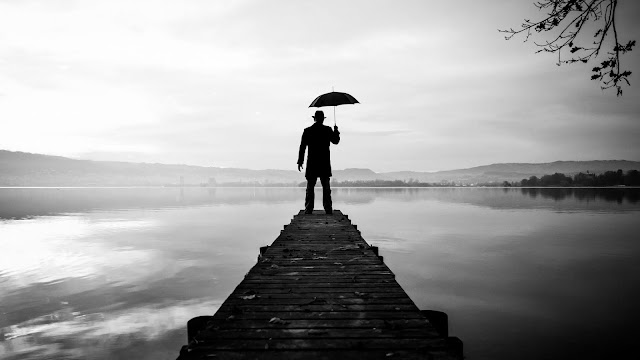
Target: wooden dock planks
(318,292)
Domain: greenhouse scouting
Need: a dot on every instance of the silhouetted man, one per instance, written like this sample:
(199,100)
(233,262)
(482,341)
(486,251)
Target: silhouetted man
(317,137)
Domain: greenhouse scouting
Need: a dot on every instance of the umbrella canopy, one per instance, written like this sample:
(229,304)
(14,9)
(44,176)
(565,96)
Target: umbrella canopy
(333,99)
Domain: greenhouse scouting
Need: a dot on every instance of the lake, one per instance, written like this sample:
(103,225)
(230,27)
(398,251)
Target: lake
(116,273)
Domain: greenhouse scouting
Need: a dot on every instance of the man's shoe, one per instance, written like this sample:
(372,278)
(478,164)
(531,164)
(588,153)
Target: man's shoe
(308,212)
(329,212)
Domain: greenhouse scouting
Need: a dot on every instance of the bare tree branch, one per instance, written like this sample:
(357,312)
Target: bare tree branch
(568,18)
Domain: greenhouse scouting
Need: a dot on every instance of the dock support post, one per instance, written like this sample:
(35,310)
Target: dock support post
(455,346)
(439,320)
(263,249)
(376,252)
(195,325)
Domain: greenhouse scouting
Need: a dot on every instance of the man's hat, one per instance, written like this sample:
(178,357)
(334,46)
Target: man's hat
(319,114)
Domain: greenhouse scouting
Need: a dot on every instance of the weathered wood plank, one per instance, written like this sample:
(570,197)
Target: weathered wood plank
(303,315)
(326,323)
(316,333)
(369,343)
(358,283)
(306,295)
(319,300)
(325,354)
(318,308)
(326,266)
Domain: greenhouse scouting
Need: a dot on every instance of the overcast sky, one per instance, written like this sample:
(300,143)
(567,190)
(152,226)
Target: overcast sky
(228,83)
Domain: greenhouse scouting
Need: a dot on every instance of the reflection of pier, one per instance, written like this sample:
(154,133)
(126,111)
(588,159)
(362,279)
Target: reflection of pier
(320,291)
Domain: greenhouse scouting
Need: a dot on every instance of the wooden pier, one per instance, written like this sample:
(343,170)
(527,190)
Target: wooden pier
(320,292)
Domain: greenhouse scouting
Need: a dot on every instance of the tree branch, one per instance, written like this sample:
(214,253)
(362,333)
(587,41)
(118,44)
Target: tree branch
(560,17)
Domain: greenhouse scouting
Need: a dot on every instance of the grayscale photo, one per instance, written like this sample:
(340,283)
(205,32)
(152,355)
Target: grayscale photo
(295,179)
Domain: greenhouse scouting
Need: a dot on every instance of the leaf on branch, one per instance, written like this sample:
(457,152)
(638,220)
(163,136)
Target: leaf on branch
(595,69)
(625,48)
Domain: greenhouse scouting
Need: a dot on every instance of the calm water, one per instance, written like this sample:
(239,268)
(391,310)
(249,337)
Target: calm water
(116,273)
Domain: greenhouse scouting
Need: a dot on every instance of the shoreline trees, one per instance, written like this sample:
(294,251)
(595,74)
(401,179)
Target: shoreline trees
(609,178)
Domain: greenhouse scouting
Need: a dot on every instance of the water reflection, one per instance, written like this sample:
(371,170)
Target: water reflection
(29,202)
(53,248)
(70,334)
(26,202)
(502,198)
(116,273)
(618,195)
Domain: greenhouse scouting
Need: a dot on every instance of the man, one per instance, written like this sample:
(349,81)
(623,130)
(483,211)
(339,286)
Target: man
(318,137)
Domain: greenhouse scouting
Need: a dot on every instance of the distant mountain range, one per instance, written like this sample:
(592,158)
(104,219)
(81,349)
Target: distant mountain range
(26,169)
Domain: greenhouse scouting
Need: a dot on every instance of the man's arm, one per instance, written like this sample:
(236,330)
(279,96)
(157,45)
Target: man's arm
(303,146)
(335,135)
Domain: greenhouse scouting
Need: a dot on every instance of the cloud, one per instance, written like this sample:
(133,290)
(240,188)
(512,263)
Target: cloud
(54,249)
(93,333)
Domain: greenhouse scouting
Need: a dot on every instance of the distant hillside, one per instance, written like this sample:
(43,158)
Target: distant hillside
(514,171)
(25,169)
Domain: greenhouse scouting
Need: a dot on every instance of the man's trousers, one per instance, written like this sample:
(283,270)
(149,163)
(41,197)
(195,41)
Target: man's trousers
(310,196)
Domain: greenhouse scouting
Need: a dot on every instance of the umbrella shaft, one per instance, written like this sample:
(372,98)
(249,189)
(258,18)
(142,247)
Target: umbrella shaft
(334,116)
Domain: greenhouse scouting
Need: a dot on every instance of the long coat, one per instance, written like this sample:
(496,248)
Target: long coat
(318,138)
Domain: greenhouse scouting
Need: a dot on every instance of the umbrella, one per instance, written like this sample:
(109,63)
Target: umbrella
(333,99)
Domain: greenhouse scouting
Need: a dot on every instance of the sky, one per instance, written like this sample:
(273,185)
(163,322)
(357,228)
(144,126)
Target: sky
(228,83)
